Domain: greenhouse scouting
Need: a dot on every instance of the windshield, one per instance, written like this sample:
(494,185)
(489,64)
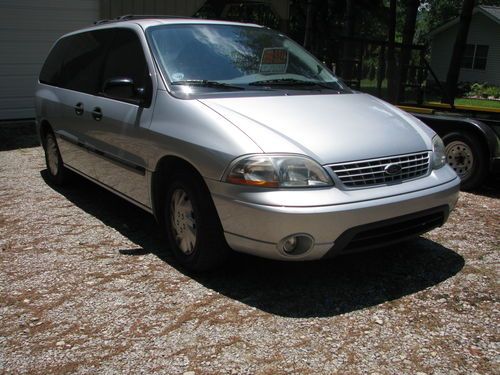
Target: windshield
(219,57)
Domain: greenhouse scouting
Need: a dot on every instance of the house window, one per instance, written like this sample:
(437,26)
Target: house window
(475,57)
(480,57)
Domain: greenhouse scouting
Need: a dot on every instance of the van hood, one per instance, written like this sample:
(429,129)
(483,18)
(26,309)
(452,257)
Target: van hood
(328,128)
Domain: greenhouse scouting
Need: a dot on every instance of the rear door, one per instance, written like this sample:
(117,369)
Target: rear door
(73,66)
(120,129)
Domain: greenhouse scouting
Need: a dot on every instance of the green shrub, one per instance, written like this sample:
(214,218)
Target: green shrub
(492,91)
(483,90)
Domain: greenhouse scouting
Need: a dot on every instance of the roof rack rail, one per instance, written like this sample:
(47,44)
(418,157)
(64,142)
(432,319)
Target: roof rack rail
(129,17)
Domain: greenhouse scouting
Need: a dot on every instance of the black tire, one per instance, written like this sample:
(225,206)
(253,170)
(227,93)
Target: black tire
(55,167)
(209,249)
(466,156)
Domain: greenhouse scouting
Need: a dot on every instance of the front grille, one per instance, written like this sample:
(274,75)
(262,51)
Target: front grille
(372,172)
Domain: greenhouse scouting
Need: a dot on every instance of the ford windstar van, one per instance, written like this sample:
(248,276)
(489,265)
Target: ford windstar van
(235,137)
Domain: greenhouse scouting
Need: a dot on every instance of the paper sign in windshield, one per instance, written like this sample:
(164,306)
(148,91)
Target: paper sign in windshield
(274,60)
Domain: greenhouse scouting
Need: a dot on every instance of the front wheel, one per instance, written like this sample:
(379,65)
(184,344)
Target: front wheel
(193,227)
(465,156)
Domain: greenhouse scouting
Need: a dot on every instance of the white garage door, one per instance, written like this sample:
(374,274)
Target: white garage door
(28,28)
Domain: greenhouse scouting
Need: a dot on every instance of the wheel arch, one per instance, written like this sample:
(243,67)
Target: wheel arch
(167,166)
(44,129)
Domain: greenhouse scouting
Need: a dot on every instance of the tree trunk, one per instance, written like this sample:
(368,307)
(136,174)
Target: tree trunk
(348,47)
(458,51)
(381,70)
(309,25)
(391,59)
(408,34)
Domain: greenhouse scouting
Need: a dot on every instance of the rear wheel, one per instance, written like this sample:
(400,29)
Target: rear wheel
(465,156)
(193,228)
(53,160)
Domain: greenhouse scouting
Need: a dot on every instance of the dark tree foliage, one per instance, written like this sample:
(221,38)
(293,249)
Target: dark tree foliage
(241,11)
(328,24)
(331,30)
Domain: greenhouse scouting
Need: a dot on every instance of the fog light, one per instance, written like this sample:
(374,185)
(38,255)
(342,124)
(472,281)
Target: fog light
(290,244)
(296,244)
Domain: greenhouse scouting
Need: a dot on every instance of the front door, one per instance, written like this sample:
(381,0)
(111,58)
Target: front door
(120,131)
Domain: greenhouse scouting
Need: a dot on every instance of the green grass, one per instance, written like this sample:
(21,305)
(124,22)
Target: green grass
(366,83)
(370,87)
(479,103)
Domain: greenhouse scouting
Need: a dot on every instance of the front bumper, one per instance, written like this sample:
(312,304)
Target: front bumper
(255,220)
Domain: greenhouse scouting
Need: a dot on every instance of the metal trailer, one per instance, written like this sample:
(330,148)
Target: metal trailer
(471,136)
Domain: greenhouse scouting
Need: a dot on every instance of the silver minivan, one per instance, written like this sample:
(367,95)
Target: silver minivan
(235,137)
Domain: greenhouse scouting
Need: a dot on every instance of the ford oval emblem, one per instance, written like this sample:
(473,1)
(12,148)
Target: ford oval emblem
(392,169)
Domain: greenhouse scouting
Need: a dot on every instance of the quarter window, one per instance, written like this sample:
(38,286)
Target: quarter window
(51,69)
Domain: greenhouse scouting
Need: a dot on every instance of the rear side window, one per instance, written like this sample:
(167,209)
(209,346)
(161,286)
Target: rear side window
(52,67)
(126,59)
(75,61)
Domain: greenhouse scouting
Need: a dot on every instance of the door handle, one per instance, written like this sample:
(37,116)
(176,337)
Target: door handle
(78,109)
(97,114)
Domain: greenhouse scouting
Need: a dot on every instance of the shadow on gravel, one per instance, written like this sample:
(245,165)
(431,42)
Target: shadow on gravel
(490,188)
(340,285)
(15,135)
(299,290)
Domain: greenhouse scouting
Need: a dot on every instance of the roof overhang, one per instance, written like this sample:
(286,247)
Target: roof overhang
(453,22)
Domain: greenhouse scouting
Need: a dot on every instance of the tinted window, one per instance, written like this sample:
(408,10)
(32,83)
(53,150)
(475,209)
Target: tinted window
(126,59)
(53,63)
(74,63)
(83,61)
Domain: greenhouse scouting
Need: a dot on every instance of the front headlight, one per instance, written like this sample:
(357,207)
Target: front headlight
(277,171)
(438,153)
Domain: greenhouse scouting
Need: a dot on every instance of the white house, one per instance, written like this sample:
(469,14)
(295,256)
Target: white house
(481,62)
(28,28)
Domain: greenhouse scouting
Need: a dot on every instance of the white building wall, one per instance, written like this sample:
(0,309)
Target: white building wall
(28,28)
(483,31)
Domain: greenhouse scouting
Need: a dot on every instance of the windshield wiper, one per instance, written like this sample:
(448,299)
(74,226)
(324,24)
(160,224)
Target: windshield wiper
(293,82)
(207,83)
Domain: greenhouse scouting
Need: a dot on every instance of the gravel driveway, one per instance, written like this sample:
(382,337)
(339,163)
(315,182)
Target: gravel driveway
(86,288)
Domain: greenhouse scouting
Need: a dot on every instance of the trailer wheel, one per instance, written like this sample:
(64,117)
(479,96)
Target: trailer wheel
(465,156)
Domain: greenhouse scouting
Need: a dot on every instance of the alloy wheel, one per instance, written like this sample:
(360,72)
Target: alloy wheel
(183,221)
(52,155)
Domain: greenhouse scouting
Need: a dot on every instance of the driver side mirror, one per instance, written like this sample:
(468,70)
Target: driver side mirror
(124,88)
